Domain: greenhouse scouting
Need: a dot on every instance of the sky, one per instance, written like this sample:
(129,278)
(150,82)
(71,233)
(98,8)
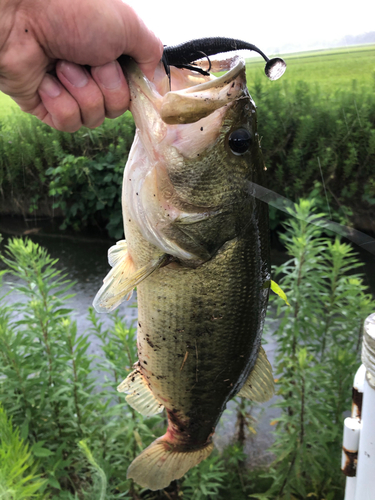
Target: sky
(274,26)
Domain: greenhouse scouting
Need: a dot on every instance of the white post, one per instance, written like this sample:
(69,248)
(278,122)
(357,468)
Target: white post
(352,427)
(365,489)
(358,457)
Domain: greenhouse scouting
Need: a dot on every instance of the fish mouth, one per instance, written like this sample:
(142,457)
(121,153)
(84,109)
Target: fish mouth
(192,97)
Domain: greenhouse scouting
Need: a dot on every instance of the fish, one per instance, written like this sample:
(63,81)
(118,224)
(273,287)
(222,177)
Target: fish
(197,249)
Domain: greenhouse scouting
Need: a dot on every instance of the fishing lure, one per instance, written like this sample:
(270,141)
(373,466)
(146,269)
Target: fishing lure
(182,55)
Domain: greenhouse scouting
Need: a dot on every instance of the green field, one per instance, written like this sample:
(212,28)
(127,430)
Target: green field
(333,69)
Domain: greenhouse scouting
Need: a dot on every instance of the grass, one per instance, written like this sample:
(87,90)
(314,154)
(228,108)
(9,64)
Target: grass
(7,105)
(333,70)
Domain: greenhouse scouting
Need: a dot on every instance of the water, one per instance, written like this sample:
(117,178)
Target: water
(85,262)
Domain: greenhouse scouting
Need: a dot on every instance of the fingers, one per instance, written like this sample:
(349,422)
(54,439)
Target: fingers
(76,98)
(148,52)
(114,88)
(57,108)
(82,88)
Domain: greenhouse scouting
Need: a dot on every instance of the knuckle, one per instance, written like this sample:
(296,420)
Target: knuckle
(115,113)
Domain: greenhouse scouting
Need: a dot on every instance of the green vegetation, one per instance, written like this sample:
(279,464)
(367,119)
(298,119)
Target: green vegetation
(319,143)
(18,480)
(319,340)
(82,436)
(76,175)
(7,106)
(333,70)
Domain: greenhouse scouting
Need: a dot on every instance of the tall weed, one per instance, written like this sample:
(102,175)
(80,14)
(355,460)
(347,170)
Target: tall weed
(318,339)
(49,384)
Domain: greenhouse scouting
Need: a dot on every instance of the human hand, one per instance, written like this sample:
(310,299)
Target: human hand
(37,36)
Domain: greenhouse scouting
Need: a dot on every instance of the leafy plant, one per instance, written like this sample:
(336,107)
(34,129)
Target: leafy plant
(18,478)
(318,340)
(206,480)
(77,176)
(48,382)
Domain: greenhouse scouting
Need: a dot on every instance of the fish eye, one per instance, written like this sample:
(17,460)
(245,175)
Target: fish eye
(240,141)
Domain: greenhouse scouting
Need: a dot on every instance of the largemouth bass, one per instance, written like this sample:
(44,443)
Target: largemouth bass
(197,249)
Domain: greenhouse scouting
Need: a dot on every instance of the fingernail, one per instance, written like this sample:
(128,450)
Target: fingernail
(50,86)
(74,74)
(109,75)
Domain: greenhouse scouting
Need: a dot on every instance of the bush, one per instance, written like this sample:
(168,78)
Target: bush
(76,175)
(311,141)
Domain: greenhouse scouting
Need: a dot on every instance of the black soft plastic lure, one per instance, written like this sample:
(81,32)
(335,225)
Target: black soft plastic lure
(182,55)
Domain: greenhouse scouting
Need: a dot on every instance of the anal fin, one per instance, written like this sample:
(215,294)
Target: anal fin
(259,385)
(140,396)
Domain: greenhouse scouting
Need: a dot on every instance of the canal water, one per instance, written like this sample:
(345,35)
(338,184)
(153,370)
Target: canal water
(85,262)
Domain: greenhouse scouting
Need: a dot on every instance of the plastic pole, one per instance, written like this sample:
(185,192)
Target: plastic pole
(358,458)
(365,489)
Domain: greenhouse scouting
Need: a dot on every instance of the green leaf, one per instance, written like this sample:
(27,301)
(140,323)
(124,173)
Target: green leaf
(54,482)
(276,288)
(39,451)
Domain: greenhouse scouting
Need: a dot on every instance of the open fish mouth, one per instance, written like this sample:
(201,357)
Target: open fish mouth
(192,96)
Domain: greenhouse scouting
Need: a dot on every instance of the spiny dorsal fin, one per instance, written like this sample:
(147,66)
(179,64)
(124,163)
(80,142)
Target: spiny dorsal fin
(119,283)
(140,396)
(259,385)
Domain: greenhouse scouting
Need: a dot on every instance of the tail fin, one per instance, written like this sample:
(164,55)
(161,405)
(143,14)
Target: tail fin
(160,463)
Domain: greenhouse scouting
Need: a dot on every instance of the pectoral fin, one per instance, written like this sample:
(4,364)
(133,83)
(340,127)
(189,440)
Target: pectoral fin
(117,252)
(119,283)
(259,385)
(140,395)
